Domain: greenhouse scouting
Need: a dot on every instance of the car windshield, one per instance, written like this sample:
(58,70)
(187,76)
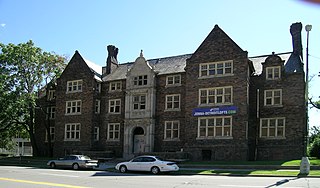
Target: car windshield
(84,157)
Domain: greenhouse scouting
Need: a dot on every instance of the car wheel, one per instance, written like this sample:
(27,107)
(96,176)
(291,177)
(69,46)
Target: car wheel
(123,169)
(75,166)
(53,165)
(155,170)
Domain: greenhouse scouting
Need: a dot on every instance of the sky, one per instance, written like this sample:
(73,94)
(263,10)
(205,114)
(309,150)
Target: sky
(161,28)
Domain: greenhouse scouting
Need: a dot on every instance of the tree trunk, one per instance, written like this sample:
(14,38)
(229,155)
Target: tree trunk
(30,129)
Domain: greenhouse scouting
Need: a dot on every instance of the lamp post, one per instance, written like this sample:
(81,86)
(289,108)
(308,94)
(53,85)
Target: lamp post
(305,164)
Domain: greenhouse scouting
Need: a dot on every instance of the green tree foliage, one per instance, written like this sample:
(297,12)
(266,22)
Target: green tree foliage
(314,149)
(24,69)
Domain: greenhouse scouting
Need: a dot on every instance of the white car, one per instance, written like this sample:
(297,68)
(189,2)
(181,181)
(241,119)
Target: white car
(73,161)
(147,163)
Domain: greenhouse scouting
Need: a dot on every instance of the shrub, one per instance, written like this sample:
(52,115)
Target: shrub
(314,150)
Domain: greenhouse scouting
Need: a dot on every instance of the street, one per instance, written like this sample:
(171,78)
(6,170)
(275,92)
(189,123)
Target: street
(27,177)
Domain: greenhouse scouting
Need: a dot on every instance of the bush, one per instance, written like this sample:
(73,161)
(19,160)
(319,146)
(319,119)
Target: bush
(314,150)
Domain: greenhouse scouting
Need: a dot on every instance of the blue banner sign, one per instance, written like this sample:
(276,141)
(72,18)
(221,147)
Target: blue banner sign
(224,110)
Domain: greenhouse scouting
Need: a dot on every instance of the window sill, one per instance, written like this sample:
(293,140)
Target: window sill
(172,110)
(215,76)
(72,114)
(171,140)
(215,138)
(78,140)
(173,85)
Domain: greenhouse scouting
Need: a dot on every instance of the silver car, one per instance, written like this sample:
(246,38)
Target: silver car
(73,161)
(151,164)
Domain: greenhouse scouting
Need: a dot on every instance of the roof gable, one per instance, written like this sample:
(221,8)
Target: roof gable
(78,61)
(216,45)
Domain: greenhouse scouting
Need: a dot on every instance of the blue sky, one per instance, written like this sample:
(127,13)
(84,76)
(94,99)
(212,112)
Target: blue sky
(160,28)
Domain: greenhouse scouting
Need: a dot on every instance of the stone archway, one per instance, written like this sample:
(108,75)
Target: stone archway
(138,137)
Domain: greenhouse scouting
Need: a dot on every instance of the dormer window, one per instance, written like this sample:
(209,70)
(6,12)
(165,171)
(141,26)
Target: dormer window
(140,80)
(221,68)
(115,86)
(273,73)
(74,86)
(173,80)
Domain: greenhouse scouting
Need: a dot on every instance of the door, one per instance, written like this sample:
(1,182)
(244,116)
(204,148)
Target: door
(139,144)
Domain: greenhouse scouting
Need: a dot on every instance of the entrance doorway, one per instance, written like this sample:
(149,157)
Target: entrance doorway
(138,140)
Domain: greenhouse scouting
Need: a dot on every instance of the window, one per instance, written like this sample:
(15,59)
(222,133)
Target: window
(98,87)
(140,80)
(51,129)
(273,73)
(114,106)
(51,112)
(273,97)
(51,95)
(97,107)
(218,95)
(272,127)
(212,127)
(139,102)
(173,80)
(72,132)
(96,133)
(74,86)
(113,132)
(173,102)
(216,68)
(115,86)
(73,107)
(171,130)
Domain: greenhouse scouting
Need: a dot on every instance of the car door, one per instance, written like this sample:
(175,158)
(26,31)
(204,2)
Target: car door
(147,163)
(135,164)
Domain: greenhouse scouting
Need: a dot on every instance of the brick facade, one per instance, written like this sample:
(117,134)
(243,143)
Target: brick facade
(214,104)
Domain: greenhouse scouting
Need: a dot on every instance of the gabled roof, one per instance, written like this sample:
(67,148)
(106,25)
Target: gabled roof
(166,65)
(96,69)
(216,44)
(292,62)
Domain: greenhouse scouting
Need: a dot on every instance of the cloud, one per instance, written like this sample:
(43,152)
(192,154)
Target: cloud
(3,25)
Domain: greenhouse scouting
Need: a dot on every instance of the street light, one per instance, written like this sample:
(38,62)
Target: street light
(305,164)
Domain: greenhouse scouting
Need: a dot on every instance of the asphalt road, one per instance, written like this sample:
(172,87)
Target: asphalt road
(26,177)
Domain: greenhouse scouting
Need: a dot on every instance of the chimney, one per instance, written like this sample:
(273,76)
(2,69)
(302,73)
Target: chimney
(295,31)
(112,61)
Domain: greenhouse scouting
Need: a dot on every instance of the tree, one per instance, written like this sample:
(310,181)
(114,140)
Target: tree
(25,69)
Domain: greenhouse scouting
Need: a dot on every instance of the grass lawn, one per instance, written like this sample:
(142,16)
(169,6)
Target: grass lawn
(253,172)
(313,162)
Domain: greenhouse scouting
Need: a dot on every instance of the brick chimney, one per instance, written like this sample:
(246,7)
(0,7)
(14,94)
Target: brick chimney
(295,31)
(112,61)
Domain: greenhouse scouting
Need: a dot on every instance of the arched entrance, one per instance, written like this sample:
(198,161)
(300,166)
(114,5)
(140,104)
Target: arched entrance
(138,140)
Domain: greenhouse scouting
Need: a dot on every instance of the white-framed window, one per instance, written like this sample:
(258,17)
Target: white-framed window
(72,132)
(173,80)
(215,127)
(272,127)
(173,102)
(273,97)
(51,95)
(115,86)
(217,95)
(273,73)
(74,86)
(51,129)
(97,107)
(140,80)
(113,132)
(139,102)
(115,106)
(51,112)
(171,130)
(96,133)
(221,68)
(98,87)
(73,107)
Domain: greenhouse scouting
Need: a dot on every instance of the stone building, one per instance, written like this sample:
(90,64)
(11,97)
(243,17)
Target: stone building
(214,104)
